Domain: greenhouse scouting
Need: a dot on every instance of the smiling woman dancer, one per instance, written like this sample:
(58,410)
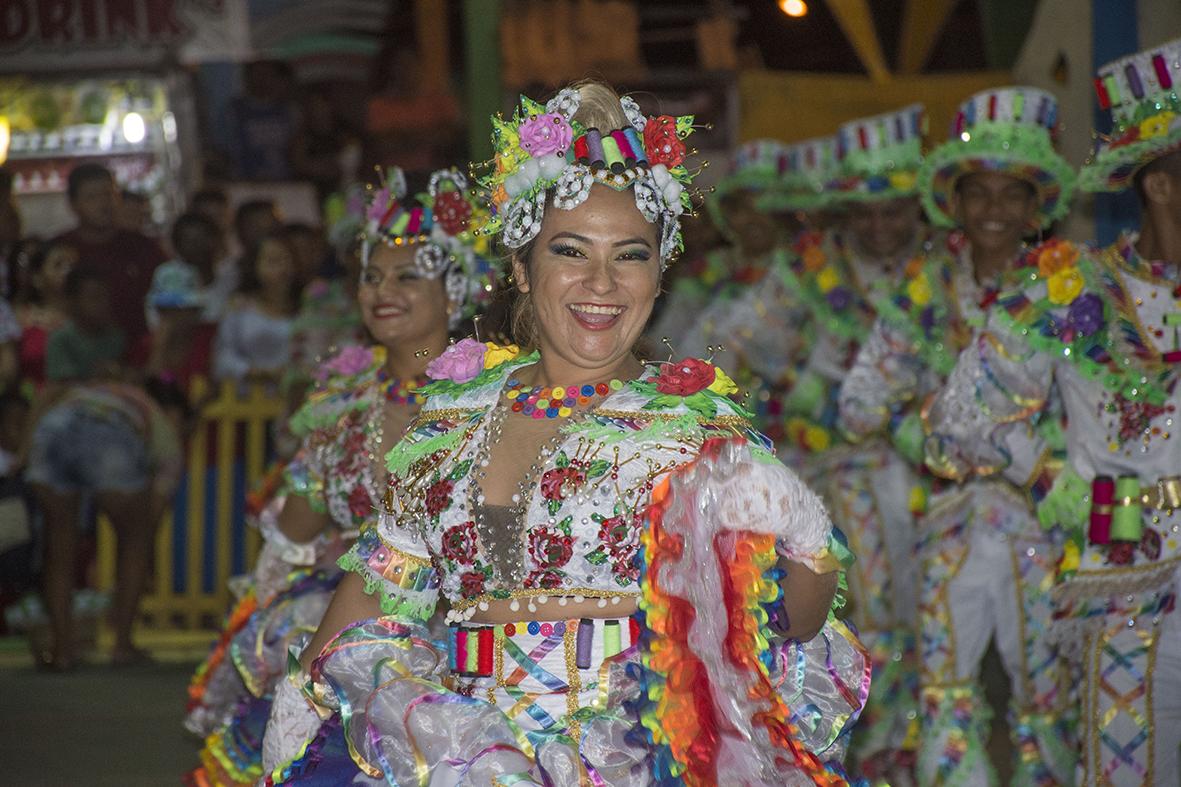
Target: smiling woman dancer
(628,570)
(424,271)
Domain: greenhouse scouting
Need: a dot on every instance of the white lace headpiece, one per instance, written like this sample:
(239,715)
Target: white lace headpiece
(544,155)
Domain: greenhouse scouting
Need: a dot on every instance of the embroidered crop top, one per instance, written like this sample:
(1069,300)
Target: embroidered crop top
(580,527)
(333,468)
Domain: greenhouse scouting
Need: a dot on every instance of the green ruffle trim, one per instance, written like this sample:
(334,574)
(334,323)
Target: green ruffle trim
(908,438)
(1132,383)
(1006,146)
(397,605)
(933,353)
(705,403)
(488,376)
(409,450)
(332,398)
(883,162)
(851,323)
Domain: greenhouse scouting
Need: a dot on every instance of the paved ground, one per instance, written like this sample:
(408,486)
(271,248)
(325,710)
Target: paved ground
(96,727)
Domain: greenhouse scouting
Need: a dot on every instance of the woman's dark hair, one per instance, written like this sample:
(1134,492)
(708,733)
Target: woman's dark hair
(85,173)
(250,284)
(521,323)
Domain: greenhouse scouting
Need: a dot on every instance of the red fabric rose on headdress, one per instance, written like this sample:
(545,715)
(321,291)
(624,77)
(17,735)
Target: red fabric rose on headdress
(685,377)
(661,142)
(452,212)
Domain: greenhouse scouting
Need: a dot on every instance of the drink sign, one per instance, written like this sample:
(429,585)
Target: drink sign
(41,36)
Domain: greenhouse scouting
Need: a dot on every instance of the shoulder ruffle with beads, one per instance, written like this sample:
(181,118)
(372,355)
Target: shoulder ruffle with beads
(470,375)
(341,385)
(922,308)
(1072,304)
(821,271)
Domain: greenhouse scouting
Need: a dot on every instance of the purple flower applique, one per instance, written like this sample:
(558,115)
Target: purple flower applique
(1085,314)
(839,298)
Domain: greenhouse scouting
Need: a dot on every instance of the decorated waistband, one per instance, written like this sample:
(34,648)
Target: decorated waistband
(1117,506)
(472,649)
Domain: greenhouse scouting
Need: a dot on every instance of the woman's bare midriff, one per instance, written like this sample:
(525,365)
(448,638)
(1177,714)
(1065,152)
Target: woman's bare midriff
(500,611)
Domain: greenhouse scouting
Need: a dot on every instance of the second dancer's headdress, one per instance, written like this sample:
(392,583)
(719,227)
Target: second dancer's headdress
(441,224)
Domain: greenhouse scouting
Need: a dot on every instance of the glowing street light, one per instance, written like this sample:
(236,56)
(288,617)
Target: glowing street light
(794,8)
(134,128)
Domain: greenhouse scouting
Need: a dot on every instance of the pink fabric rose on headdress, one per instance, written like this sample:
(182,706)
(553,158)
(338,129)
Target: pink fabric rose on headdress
(348,362)
(545,134)
(460,363)
(380,205)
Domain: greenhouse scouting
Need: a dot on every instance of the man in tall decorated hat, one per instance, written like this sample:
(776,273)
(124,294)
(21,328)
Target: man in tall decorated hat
(985,559)
(1094,333)
(607,535)
(800,328)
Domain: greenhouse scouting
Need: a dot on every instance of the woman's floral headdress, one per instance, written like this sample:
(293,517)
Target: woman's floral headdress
(442,224)
(542,147)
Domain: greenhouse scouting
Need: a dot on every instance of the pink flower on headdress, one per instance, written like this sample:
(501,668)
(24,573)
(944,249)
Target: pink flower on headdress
(662,144)
(544,134)
(379,206)
(460,363)
(349,361)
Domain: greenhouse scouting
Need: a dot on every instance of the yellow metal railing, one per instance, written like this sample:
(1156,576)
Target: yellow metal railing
(234,418)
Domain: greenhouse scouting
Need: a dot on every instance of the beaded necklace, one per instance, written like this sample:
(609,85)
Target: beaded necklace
(400,391)
(543,401)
